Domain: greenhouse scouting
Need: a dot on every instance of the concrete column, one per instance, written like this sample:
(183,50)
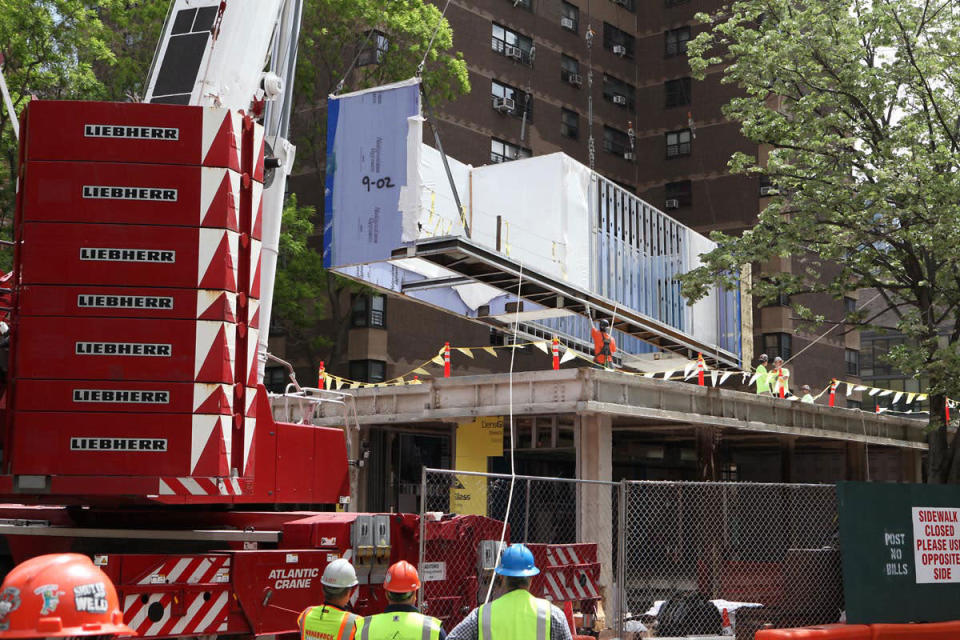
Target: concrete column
(856,461)
(594,438)
(911,469)
(787,446)
(706,440)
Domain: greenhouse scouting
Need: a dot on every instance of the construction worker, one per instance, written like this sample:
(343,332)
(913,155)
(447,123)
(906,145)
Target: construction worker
(780,377)
(763,376)
(807,398)
(400,620)
(332,620)
(60,595)
(516,615)
(604,346)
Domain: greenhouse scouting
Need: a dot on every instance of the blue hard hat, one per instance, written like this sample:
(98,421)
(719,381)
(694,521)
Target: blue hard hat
(517,561)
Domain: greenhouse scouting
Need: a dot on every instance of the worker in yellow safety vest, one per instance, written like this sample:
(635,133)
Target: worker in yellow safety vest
(401,620)
(517,614)
(332,620)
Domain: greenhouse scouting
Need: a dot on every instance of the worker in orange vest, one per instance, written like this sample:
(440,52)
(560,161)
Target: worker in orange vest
(60,595)
(604,346)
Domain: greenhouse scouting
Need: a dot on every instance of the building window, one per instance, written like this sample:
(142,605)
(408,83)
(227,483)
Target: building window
(676,41)
(570,70)
(618,92)
(511,44)
(569,124)
(507,99)
(852,359)
(375,50)
(569,17)
(679,194)
(524,4)
(778,344)
(617,42)
(849,304)
(629,5)
(369,312)
(368,370)
(615,141)
(677,92)
(678,143)
(275,379)
(502,151)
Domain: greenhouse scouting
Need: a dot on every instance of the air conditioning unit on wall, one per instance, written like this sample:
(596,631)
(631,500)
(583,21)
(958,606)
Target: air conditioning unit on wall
(504,105)
(672,203)
(568,23)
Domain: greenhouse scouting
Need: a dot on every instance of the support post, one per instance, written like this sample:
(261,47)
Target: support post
(594,437)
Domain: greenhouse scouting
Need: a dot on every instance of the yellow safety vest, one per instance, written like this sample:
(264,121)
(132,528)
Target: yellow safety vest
(516,615)
(326,622)
(399,625)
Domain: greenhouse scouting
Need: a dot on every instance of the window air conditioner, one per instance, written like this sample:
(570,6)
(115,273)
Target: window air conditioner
(673,203)
(628,155)
(619,49)
(618,99)
(575,79)
(767,191)
(504,105)
(567,23)
(513,52)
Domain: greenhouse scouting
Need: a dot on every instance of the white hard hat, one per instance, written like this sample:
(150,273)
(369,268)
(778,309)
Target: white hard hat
(339,574)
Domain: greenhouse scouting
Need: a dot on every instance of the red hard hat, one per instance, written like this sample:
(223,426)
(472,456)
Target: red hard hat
(60,594)
(401,577)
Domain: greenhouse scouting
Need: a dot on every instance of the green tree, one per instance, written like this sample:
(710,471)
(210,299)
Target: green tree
(49,51)
(857,103)
(363,43)
(133,32)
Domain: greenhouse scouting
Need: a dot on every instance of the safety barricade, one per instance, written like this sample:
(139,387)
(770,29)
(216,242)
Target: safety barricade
(822,632)
(927,631)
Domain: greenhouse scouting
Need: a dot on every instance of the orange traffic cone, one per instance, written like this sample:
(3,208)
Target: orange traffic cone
(727,626)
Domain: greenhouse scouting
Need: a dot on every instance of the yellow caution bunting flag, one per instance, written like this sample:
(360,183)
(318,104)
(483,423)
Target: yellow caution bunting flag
(873,391)
(437,360)
(339,382)
(886,392)
(897,396)
(688,370)
(568,355)
(542,346)
(713,377)
(910,397)
(921,397)
(849,389)
(650,375)
(491,351)
(421,371)
(667,374)
(723,378)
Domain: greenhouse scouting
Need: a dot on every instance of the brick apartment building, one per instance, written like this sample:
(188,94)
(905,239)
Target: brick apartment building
(538,69)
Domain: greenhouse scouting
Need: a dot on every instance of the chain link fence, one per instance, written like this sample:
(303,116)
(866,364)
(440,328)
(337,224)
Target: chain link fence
(714,558)
(679,559)
(458,556)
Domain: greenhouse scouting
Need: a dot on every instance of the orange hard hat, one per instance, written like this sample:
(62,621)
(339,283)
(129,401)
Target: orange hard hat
(61,594)
(401,577)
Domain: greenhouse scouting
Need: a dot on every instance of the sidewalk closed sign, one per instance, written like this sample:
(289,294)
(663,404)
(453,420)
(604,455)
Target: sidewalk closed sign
(936,549)
(900,549)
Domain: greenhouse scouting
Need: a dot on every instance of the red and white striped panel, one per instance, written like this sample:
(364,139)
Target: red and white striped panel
(561,555)
(570,584)
(204,611)
(199,487)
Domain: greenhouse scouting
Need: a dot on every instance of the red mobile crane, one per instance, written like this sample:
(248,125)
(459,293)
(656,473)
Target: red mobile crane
(135,427)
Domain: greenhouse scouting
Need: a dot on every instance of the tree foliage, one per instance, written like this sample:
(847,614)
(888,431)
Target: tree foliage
(857,103)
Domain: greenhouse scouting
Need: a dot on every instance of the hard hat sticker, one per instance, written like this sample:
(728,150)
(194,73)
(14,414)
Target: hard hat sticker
(51,597)
(91,598)
(9,601)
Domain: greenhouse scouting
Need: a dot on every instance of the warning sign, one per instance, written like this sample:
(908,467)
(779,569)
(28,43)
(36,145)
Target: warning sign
(936,544)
